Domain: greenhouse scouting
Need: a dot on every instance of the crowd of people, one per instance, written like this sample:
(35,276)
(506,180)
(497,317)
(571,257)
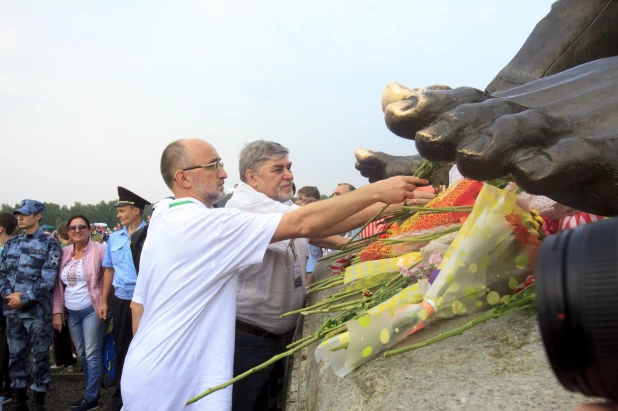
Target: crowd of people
(212,284)
(195,297)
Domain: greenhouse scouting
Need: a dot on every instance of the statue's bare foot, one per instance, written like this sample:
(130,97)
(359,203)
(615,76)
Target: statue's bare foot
(376,165)
(544,154)
(557,135)
(488,138)
(409,110)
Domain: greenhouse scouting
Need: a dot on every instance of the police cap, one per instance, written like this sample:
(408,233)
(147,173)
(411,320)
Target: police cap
(126,197)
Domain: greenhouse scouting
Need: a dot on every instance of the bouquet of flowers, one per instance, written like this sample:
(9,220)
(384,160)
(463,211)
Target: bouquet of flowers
(462,193)
(491,255)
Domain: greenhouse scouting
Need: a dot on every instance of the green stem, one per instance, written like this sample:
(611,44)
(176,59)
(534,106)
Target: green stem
(461,209)
(295,343)
(423,238)
(336,331)
(324,282)
(394,279)
(321,303)
(331,309)
(351,303)
(374,218)
(339,307)
(252,370)
(340,347)
(326,287)
(517,304)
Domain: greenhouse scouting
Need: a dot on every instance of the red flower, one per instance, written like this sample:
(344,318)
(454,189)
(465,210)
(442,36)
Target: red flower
(521,231)
(549,226)
(529,281)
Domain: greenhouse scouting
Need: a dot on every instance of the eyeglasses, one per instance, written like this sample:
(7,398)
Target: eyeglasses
(77,227)
(217,165)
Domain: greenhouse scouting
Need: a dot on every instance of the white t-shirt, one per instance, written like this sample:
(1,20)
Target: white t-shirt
(185,341)
(454,175)
(275,286)
(76,295)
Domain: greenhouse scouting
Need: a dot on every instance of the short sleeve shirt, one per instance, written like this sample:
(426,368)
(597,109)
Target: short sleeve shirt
(270,288)
(118,256)
(187,284)
(315,253)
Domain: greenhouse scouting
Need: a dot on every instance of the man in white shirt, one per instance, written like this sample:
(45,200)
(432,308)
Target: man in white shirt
(276,286)
(184,300)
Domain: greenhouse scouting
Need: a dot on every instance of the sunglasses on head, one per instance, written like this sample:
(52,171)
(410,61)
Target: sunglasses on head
(77,227)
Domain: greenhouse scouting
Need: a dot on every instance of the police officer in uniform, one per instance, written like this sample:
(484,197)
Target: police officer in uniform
(121,274)
(28,272)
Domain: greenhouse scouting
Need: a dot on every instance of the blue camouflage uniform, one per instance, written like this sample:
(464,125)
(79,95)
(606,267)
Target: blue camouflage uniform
(29,264)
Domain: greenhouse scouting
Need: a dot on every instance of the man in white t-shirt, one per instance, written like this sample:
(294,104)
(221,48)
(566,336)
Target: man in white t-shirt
(184,303)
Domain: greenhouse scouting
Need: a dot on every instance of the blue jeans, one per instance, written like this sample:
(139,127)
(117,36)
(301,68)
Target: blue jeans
(251,351)
(88,334)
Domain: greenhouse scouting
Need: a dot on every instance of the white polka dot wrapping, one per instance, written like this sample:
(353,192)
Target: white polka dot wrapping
(438,246)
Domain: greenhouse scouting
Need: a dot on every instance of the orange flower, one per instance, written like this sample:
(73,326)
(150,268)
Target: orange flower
(463,193)
(521,231)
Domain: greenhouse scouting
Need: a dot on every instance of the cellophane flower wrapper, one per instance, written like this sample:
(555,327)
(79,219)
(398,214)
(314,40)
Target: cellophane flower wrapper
(369,274)
(438,246)
(482,266)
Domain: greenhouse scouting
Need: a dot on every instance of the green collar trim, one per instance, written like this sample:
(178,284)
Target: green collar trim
(179,203)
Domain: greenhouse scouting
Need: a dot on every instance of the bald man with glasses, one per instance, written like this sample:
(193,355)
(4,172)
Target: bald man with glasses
(184,304)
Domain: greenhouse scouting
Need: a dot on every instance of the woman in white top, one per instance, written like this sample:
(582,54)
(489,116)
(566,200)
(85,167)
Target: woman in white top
(78,295)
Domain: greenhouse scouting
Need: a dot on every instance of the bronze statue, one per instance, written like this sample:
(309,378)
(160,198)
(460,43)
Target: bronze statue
(549,119)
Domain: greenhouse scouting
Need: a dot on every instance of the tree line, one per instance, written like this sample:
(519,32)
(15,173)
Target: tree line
(102,212)
(54,215)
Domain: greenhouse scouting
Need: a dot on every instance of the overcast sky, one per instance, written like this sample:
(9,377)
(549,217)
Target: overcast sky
(92,91)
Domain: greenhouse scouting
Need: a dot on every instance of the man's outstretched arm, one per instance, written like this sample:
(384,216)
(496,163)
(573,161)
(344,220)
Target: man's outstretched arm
(357,220)
(315,220)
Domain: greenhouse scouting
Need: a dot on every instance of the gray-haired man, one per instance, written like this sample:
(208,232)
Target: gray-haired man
(277,285)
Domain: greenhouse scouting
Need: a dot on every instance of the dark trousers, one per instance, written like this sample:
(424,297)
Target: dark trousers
(5,380)
(250,351)
(258,392)
(123,333)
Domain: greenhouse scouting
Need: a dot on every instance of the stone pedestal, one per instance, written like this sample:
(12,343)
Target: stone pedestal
(499,365)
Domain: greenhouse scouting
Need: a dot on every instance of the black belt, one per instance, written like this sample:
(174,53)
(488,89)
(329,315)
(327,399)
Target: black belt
(252,329)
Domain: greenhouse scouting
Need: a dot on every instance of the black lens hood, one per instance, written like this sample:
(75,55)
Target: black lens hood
(577,306)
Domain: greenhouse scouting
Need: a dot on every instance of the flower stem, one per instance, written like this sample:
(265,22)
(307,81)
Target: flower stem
(327,286)
(321,303)
(336,331)
(340,347)
(324,282)
(374,218)
(423,238)
(253,370)
(515,303)
(461,209)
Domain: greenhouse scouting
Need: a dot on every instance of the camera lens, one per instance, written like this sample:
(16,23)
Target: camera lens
(577,307)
